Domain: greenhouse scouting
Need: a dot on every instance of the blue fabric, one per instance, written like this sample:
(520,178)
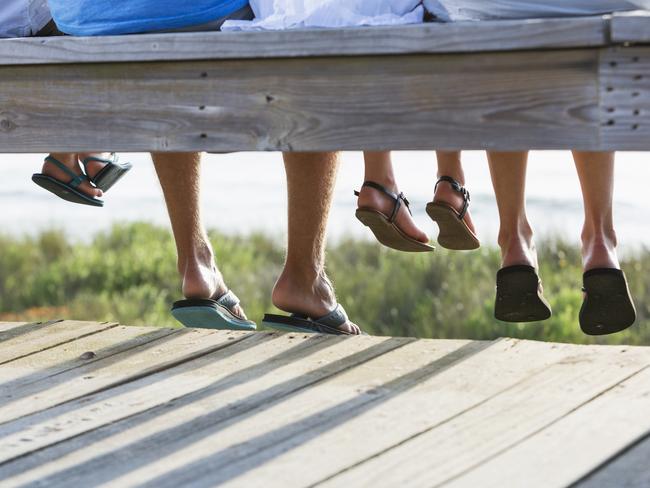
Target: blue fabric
(107,17)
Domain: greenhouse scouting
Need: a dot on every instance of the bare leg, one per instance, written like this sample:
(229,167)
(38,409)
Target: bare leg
(596,173)
(508,170)
(303,286)
(449,164)
(379,168)
(179,175)
(71,160)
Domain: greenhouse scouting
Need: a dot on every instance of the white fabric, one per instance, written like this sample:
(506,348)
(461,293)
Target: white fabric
(454,10)
(292,14)
(22,18)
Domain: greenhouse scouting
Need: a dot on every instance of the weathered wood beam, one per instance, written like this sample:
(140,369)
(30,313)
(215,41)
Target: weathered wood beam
(632,27)
(538,100)
(460,37)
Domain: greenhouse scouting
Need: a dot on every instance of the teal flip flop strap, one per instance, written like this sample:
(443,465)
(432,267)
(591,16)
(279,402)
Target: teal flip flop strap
(90,159)
(76,179)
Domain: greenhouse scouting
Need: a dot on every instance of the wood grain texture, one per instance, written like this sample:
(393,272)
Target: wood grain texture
(111,370)
(238,372)
(10,325)
(425,38)
(632,27)
(625,98)
(539,100)
(454,448)
(31,339)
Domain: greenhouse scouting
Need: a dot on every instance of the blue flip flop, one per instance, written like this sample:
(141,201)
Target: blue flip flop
(67,191)
(211,314)
(110,174)
(327,324)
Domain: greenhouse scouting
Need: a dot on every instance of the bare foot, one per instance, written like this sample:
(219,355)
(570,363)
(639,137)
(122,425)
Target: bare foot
(71,161)
(599,251)
(446,194)
(376,200)
(314,297)
(518,248)
(201,277)
(94,167)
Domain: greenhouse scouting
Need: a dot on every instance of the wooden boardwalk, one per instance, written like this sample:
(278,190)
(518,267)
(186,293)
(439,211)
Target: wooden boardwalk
(87,404)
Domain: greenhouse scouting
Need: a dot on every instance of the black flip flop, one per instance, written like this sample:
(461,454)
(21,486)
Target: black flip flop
(211,314)
(454,233)
(110,174)
(384,227)
(328,324)
(67,191)
(607,307)
(519,296)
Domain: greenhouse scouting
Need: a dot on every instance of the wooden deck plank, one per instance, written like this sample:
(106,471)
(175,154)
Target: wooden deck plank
(114,369)
(242,370)
(199,429)
(633,27)
(25,378)
(345,420)
(21,342)
(10,325)
(564,452)
(424,38)
(454,448)
(549,100)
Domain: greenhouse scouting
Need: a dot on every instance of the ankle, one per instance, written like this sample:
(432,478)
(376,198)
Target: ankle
(303,293)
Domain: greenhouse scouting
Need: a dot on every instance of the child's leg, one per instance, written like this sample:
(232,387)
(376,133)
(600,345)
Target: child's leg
(379,169)
(596,173)
(508,170)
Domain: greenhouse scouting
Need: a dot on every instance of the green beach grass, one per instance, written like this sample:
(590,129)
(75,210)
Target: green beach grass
(129,275)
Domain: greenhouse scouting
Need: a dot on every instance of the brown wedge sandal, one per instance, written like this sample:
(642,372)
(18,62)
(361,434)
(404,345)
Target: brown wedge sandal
(454,233)
(384,227)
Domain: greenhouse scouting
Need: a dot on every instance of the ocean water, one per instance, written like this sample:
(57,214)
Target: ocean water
(245,193)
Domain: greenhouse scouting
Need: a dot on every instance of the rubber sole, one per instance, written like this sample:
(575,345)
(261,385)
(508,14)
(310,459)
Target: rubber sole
(519,298)
(209,316)
(106,178)
(389,234)
(454,234)
(64,191)
(608,307)
(287,323)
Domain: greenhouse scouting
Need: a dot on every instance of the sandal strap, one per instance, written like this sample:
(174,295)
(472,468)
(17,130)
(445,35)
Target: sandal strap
(76,179)
(398,199)
(228,300)
(457,187)
(89,159)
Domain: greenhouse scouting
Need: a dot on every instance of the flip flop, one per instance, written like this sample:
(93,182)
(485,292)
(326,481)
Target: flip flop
(385,228)
(67,191)
(519,296)
(327,324)
(454,233)
(109,174)
(211,314)
(607,307)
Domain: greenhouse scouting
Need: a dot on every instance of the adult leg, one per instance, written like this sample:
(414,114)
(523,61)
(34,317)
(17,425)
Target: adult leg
(303,287)
(379,169)
(596,174)
(179,175)
(449,164)
(508,171)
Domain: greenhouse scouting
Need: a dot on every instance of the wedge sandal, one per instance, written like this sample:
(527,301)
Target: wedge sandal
(608,307)
(454,233)
(384,227)
(519,296)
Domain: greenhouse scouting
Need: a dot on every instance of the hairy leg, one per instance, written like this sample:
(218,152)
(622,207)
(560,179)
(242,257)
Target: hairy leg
(303,287)
(179,175)
(379,168)
(508,170)
(596,173)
